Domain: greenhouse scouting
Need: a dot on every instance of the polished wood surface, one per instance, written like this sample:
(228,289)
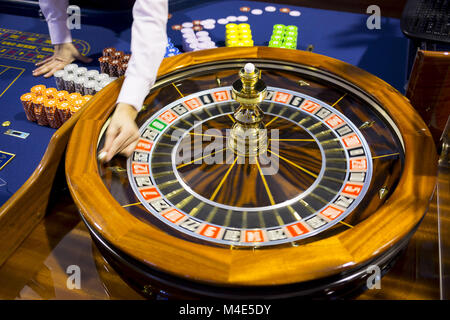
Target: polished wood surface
(37,269)
(429,89)
(415,276)
(202,263)
(423,270)
(443,207)
(20,214)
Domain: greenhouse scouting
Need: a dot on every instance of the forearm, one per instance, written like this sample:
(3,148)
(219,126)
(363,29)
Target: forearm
(55,13)
(148,43)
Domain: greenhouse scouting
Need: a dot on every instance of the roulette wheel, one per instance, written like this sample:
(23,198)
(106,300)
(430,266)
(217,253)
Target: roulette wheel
(259,173)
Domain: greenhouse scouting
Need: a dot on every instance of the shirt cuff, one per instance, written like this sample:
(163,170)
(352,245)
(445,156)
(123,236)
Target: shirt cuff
(59,32)
(133,91)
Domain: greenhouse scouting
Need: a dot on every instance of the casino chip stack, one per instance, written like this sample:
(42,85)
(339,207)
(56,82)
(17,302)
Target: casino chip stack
(196,25)
(208,24)
(113,62)
(284,37)
(171,50)
(194,41)
(50,107)
(238,35)
(81,80)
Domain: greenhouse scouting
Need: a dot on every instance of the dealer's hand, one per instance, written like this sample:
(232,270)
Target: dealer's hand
(64,54)
(122,134)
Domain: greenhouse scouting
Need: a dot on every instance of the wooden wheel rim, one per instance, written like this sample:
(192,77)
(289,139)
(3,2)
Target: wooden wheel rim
(351,248)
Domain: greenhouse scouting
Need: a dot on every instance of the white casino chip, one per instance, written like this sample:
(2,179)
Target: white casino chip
(222,21)
(232,18)
(270,9)
(202,34)
(192,46)
(257,12)
(211,44)
(187,24)
(295,13)
(208,22)
(190,40)
(188,35)
(204,39)
(187,30)
(242,18)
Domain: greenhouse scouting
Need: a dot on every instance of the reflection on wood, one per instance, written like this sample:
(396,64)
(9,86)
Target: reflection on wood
(415,275)
(64,240)
(443,208)
(429,89)
(38,268)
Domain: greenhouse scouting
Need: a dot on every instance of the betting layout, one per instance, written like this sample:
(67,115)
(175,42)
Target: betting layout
(29,46)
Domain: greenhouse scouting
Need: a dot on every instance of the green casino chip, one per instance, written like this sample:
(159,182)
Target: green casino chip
(291,28)
(276,37)
(279,27)
(290,39)
(275,44)
(291,45)
(291,34)
(278,32)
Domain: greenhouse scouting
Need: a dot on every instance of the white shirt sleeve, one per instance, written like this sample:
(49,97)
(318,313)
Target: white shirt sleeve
(55,13)
(148,45)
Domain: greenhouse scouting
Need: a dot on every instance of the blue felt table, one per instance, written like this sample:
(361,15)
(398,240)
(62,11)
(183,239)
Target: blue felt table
(336,34)
(17,79)
(340,35)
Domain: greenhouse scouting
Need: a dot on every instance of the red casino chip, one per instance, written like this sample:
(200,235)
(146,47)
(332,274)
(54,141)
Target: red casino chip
(107,52)
(245,9)
(169,16)
(122,68)
(197,22)
(285,10)
(27,102)
(113,68)
(104,64)
(117,55)
(126,58)
(176,27)
(197,28)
